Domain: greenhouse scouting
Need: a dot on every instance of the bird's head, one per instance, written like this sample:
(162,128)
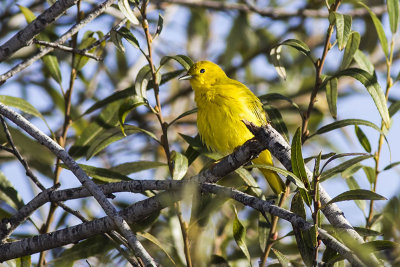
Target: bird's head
(204,74)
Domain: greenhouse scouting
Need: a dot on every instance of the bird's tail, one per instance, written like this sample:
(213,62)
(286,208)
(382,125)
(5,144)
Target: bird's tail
(273,179)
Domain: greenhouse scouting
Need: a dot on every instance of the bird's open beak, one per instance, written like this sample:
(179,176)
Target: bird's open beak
(185,77)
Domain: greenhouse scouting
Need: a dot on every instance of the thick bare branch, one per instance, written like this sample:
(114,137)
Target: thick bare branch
(24,36)
(83,178)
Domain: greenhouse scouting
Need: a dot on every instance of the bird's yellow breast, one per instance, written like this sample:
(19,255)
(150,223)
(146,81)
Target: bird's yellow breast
(221,110)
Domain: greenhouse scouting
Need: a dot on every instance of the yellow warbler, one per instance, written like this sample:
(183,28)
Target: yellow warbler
(222,105)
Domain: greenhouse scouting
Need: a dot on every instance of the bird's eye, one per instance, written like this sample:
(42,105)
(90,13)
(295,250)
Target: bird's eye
(202,70)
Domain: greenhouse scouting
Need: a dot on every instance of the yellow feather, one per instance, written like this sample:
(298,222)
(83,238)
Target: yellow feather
(222,105)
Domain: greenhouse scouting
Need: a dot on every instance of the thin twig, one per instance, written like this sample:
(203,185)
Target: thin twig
(68,49)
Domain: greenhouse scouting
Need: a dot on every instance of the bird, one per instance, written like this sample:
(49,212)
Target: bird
(222,105)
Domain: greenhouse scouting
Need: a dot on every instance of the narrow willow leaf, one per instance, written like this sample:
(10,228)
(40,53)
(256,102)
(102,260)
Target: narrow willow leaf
(117,41)
(102,174)
(374,89)
(394,108)
(274,57)
(363,139)
(357,194)
(24,261)
(136,166)
(351,48)
(129,104)
(298,45)
(364,62)
(156,242)
(263,227)
(49,60)
(332,95)
(21,104)
(80,61)
(265,99)
(281,258)
(353,185)
(343,166)
(239,234)
(127,11)
(394,164)
(112,135)
(343,123)
(8,194)
(303,238)
(160,24)
(125,33)
(277,121)
(180,165)
(378,245)
(343,29)
(367,232)
(297,159)
(107,119)
(109,99)
(379,29)
(370,173)
(185,61)
(291,176)
(142,79)
(393,11)
(249,180)
(184,114)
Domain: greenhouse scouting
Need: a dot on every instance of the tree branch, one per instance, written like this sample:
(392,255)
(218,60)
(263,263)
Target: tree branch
(74,29)
(67,48)
(24,36)
(83,178)
(275,13)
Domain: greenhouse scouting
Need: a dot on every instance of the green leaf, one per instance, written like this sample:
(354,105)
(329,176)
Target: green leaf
(353,185)
(297,159)
(394,108)
(356,194)
(351,48)
(129,104)
(29,15)
(136,166)
(362,138)
(343,29)
(249,180)
(185,61)
(367,232)
(8,194)
(127,11)
(184,114)
(378,245)
(24,261)
(343,166)
(160,24)
(379,29)
(125,33)
(142,79)
(291,176)
(107,119)
(262,228)
(388,167)
(364,62)
(342,123)
(102,174)
(350,171)
(298,45)
(112,135)
(22,105)
(265,99)
(109,99)
(80,61)
(281,258)
(275,58)
(277,121)
(332,95)
(303,238)
(393,11)
(156,242)
(117,41)
(180,165)
(239,233)
(374,89)
(370,173)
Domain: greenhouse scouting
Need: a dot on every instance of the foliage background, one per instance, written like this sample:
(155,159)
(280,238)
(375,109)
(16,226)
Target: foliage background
(241,43)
